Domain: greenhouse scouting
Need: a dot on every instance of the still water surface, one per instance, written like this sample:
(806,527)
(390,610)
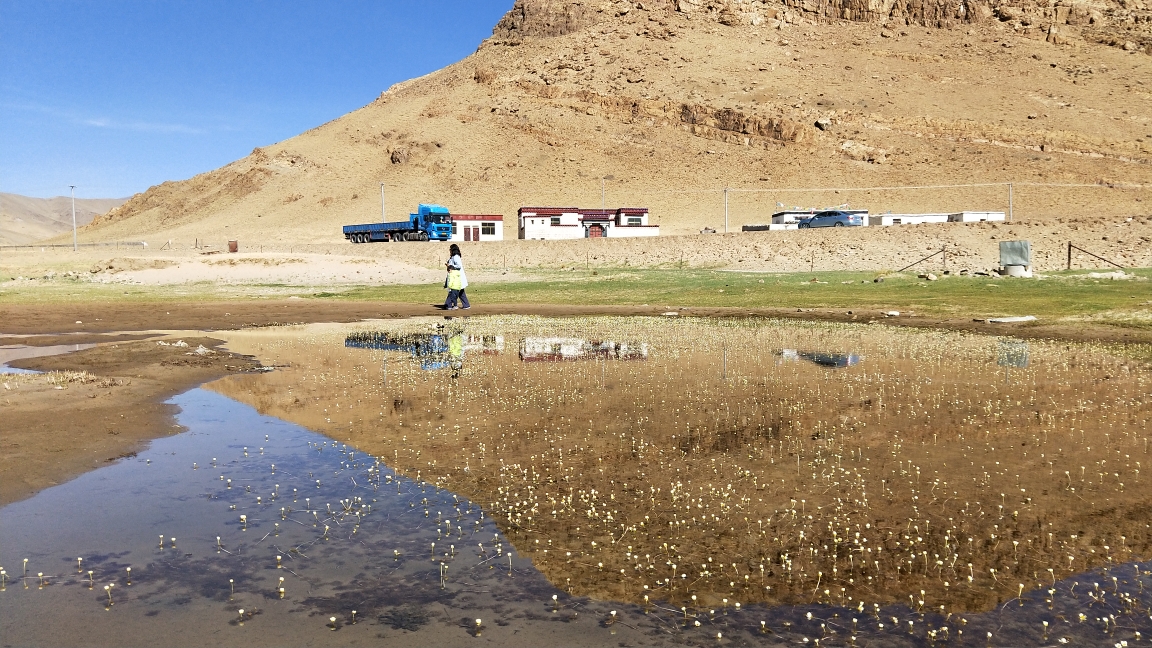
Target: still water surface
(843,485)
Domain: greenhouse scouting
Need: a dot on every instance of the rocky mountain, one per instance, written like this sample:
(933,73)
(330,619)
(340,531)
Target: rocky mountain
(26,220)
(664,103)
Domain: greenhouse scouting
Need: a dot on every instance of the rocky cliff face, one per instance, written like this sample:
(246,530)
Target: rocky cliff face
(1119,23)
(545,18)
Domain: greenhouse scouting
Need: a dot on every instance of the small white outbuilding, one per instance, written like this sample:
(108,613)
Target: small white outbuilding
(477,227)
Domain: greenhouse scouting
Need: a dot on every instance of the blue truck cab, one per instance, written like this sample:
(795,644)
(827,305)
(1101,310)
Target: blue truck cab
(429,223)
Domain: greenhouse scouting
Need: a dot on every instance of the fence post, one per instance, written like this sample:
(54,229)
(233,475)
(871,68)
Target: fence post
(1069,255)
(1009,202)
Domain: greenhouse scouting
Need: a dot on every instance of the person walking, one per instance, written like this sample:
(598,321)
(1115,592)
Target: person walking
(457,281)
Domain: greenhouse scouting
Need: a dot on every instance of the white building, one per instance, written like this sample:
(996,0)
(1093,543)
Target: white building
(477,227)
(556,223)
(975,216)
(884,220)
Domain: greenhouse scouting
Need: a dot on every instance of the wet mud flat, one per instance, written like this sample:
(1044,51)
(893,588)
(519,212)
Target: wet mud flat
(709,482)
(69,408)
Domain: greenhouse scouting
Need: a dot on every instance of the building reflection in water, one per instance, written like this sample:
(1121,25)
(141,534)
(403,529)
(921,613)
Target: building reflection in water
(822,358)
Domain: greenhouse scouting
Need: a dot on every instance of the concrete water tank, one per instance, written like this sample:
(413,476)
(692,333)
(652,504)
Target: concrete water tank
(1016,258)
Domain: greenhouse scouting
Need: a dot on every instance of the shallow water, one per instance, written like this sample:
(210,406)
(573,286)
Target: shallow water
(8,353)
(749,456)
(335,518)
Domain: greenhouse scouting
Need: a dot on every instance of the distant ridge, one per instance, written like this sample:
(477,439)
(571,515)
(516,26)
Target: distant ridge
(24,219)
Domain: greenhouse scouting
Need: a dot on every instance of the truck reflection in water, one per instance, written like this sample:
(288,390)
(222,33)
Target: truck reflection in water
(824,359)
(443,350)
(558,349)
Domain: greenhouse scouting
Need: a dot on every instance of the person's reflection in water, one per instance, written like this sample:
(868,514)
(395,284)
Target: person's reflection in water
(456,353)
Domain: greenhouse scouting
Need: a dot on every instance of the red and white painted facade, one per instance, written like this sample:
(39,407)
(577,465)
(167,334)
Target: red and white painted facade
(477,227)
(556,223)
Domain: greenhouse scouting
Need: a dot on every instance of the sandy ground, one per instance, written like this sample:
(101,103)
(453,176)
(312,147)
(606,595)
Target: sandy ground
(261,268)
(1126,241)
(55,426)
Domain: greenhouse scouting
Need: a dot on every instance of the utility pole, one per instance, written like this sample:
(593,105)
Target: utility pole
(725,210)
(382,214)
(75,247)
(1009,202)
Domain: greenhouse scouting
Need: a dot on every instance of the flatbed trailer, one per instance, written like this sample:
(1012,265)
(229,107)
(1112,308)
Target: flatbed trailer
(429,223)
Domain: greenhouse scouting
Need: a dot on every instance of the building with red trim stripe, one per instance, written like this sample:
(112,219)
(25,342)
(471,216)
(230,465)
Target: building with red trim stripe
(556,223)
(477,227)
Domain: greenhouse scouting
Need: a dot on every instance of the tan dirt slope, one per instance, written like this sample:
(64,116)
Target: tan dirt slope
(663,104)
(24,219)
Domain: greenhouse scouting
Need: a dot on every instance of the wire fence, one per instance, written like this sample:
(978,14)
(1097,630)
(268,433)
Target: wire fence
(112,244)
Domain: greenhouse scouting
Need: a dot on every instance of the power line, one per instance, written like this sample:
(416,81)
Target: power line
(894,187)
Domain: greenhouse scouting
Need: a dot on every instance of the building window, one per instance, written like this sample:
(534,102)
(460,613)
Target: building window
(555,220)
(488,229)
(454,230)
(634,220)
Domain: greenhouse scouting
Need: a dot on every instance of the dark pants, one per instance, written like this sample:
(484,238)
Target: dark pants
(453,295)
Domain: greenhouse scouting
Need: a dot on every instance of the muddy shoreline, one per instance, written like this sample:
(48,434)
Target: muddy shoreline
(44,324)
(98,405)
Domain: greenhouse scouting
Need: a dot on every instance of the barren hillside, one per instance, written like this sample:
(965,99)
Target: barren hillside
(27,220)
(663,104)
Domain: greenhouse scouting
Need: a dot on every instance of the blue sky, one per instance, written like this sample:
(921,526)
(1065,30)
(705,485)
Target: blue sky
(116,96)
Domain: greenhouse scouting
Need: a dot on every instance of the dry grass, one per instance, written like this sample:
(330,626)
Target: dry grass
(68,378)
